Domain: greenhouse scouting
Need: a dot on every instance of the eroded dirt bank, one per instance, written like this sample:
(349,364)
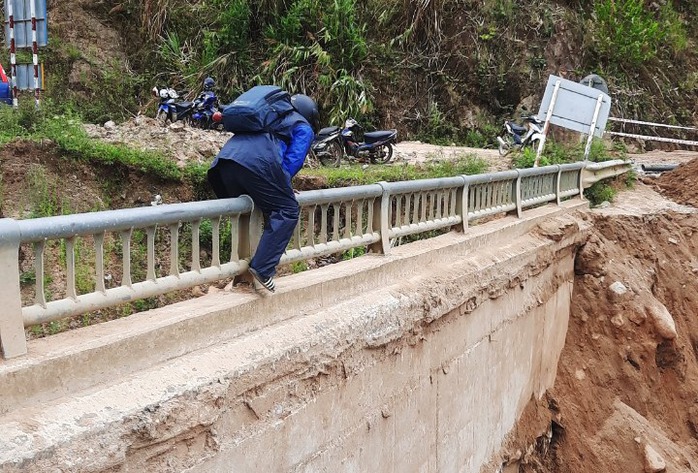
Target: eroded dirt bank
(626,394)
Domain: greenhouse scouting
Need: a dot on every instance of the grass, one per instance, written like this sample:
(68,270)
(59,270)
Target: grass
(355,174)
(556,153)
(67,132)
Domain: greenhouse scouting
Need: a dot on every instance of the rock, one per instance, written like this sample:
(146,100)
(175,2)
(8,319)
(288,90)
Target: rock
(673,241)
(177,127)
(591,258)
(196,291)
(618,288)
(110,125)
(636,314)
(618,292)
(604,205)
(662,319)
(617,320)
(654,463)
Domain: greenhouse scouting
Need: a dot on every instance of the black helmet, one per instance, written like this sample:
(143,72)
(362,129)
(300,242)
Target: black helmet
(209,84)
(307,107)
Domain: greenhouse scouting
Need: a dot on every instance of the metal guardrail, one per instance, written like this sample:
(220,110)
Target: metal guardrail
(595,172)
(332,221)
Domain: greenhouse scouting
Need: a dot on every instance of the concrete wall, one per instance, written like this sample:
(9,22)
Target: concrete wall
(439,398)
(420,361)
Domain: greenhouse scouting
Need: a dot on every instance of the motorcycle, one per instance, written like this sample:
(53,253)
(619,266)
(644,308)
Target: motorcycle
(377,146)
(198,113)
(203,109)
(169,109)
(518,137)
(327,148)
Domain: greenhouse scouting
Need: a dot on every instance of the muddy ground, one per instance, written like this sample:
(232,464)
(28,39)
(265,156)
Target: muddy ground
(626,394)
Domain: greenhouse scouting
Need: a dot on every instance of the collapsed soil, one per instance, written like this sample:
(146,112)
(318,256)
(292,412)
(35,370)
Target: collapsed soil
(626,394)
(681,184)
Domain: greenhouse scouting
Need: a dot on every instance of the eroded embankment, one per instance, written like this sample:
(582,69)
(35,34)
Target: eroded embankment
(626,394)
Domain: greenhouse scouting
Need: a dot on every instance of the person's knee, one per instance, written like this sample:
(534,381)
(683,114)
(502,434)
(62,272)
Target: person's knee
(289,215)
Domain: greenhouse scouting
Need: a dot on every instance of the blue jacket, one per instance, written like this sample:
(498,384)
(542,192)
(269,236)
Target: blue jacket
(288,147)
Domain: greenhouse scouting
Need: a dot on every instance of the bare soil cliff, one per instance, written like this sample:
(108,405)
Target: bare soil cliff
(626,394)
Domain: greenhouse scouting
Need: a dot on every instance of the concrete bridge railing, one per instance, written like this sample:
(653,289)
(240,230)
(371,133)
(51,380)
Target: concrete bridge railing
(332,221)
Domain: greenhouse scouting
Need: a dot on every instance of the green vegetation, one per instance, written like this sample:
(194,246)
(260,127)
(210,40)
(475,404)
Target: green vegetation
(424,67)
(42,194)
(352,253)
(627,33)
(355,174)
(299,266)
(556,153)
(600,192)
(606,191)
(67,132)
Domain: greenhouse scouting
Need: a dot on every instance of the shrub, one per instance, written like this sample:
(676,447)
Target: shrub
(627,33)
(600,192)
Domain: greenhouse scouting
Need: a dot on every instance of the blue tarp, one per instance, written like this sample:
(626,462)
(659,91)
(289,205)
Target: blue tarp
(5,93)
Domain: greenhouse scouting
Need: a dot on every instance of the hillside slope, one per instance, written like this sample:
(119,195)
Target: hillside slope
(445,69)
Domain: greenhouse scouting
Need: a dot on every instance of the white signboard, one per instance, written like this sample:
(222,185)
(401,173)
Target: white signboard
(575,106)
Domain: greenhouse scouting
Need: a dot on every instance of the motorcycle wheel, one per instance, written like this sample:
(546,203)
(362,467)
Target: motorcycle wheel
(162,117)
(505,146)
(383,154)
(311,161)
(333,156)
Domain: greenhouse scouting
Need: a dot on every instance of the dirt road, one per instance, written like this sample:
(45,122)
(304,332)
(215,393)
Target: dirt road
(417,152)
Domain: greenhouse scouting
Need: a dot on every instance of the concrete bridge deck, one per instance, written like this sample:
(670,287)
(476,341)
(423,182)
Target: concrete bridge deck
(382,363)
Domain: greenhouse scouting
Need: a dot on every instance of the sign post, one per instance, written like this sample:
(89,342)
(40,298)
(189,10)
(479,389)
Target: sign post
(576,107)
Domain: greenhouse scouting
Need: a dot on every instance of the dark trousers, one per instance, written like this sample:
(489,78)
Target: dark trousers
(273,195)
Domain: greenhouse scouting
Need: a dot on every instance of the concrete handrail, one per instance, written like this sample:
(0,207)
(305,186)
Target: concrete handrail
(332,220)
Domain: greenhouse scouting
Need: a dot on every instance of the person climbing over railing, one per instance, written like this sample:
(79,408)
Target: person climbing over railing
(273,134)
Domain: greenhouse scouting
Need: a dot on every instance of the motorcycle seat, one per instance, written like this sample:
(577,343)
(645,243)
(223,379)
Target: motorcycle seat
(375,136)
(518,129)
(534,119)
(183,105)
(328,131)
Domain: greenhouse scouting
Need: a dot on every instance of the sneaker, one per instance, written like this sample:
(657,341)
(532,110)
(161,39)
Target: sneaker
(268,283)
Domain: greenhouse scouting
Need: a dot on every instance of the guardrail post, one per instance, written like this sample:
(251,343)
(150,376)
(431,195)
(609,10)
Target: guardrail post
(250,230)
(557,184)
(462,205)
(381,215)
(519,208)
(581,182)
(12,339)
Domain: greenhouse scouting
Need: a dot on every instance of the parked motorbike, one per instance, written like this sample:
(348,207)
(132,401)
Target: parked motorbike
(518,137)
(170,110)
(198,113)
(328,147)
(203,108)
(377,146)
